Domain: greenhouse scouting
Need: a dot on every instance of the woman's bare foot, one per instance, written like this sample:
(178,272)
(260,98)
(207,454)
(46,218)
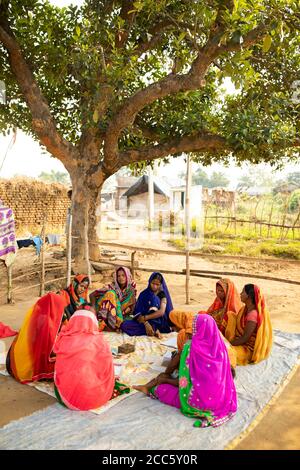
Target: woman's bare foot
(141,388)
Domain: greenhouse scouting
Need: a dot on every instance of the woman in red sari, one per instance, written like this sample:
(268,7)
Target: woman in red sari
(30,356)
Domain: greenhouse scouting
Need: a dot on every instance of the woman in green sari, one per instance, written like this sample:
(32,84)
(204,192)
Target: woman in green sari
(116,301)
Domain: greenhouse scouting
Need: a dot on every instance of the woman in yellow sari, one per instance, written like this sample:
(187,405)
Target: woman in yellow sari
(250,332)
(183,323)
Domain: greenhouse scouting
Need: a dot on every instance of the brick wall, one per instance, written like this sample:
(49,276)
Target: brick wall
(31,199)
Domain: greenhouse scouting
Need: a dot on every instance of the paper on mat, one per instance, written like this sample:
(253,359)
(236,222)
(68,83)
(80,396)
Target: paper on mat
(171,343)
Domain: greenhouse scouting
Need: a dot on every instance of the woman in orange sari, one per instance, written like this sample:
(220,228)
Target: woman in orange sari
(227,300)
(183,323)
(250,332)
(30,356)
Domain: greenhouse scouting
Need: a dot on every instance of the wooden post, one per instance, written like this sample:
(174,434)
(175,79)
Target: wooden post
(9,285)
(270,220)
(188,228)
(132,263)
(42,286)
(69,248)
(150,197)
(262,217)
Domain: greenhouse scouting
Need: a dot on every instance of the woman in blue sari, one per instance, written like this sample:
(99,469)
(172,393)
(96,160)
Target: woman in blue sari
(151,313)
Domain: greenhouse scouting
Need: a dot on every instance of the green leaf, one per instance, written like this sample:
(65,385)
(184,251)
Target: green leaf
(181,36)
(138,5)
(77,30)
(267,43)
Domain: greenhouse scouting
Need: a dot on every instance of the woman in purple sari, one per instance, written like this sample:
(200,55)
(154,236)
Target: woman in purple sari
(151,313)
(205,388)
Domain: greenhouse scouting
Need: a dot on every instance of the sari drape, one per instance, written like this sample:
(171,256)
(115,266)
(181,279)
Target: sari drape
(147,300)
(30,356)
(259,345)
(84,371)
(219,310)
(184,320)
(206,387)
(114,303)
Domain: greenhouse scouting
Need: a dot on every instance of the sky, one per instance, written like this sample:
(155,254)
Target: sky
(26,158)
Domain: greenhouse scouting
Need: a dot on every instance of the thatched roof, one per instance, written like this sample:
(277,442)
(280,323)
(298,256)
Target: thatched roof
(141,186)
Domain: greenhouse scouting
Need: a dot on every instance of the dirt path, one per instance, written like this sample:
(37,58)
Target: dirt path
(279,428)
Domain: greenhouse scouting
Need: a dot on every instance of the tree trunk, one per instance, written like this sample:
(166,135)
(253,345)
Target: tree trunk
(84,205)
(94,225)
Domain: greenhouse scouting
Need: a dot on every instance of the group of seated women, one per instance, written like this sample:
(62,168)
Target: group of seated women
(61,339)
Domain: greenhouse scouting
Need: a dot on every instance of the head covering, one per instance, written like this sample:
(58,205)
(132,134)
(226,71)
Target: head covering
(184,321)
(130,284)
(148,298)
(213,388)
(84,372)
(232,303)
(264,336)
(71,289)
(128,276)
(126,295)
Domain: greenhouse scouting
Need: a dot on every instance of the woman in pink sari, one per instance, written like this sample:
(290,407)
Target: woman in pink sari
(205,387)
(84,372)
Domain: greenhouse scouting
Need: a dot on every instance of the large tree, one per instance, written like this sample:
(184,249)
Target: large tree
(116,82)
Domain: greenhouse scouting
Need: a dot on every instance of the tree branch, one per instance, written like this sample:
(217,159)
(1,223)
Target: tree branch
(251,38)
(128,16)
(186,144)
(42,121)
(171,84)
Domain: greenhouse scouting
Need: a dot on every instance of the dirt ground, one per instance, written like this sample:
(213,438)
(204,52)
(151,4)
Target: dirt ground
(279,428)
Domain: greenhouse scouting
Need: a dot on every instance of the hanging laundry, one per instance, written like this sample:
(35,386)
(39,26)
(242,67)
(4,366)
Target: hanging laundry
(53,239)
(8,248)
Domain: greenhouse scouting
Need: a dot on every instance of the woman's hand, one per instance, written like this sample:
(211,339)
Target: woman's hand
(141,319)
(149,329)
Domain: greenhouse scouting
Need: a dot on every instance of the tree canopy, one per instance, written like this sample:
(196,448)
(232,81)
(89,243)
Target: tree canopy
(118,82)
(148,74)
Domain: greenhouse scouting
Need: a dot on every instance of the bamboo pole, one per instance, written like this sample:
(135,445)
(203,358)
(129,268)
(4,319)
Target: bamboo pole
(270,219)
(188,228)
(205,273)
(150,197)
(234,211)
(132,264)
(42,285)
(9,285)
(295,223)
(197,254)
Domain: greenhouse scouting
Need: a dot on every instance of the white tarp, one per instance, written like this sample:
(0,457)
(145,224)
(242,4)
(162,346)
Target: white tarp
(140,422)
